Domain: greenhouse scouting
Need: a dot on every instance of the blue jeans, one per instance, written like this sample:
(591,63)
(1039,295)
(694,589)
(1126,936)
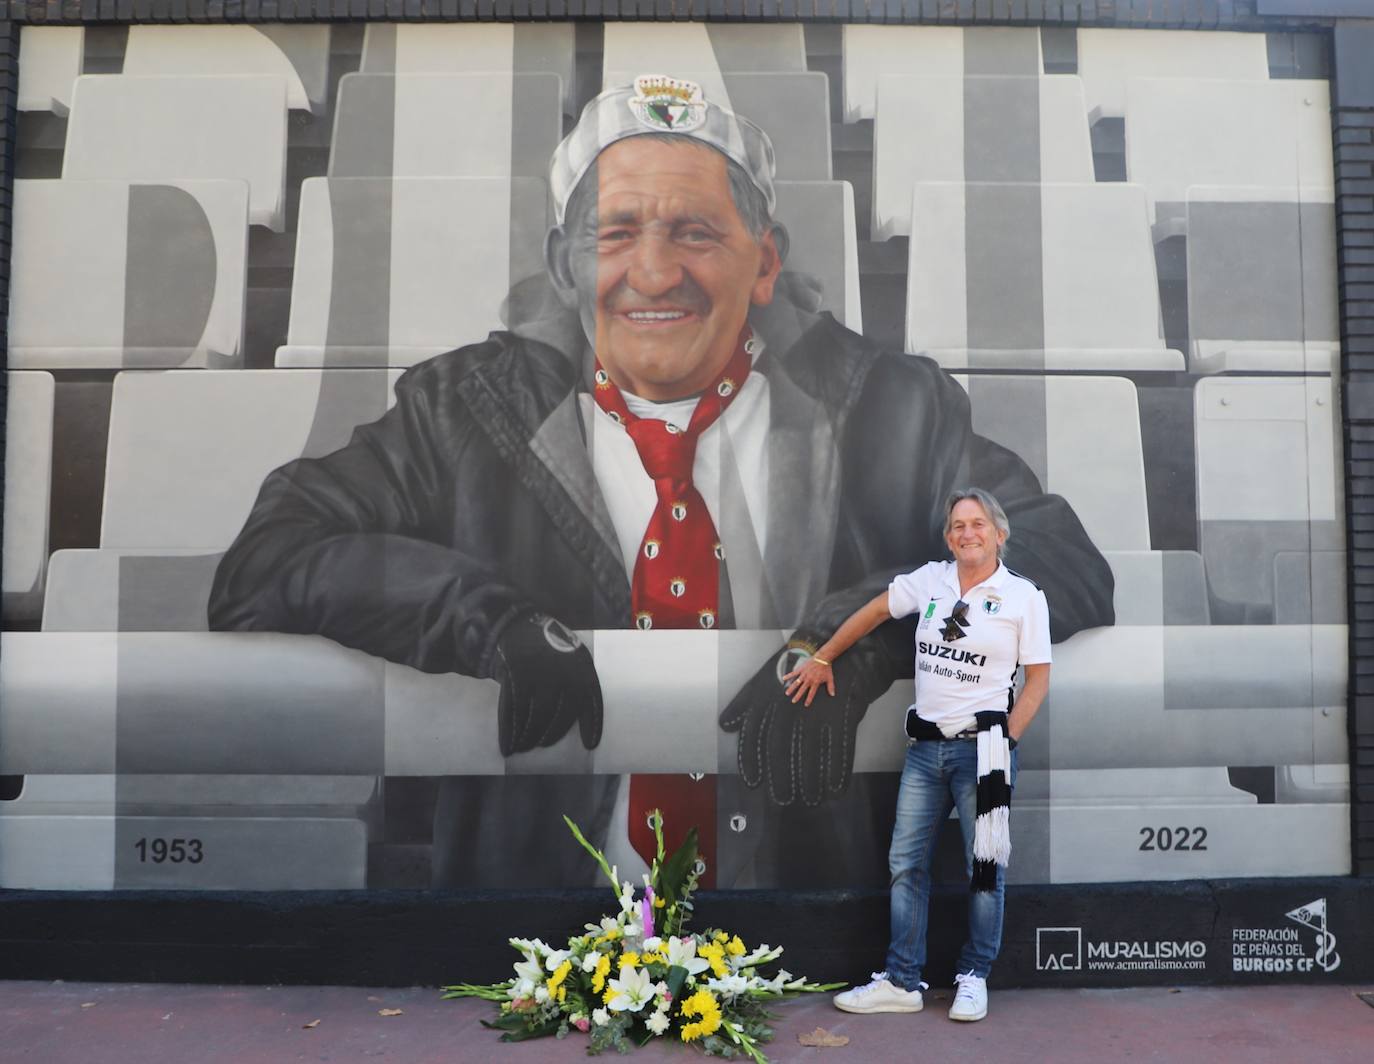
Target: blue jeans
(938,776)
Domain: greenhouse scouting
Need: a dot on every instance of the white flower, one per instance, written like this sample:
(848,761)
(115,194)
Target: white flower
(631,991)
(682,953)
(730,986)
(627,897)
(528,975)
(530,946)
(601,1017)
(762,955)
(541,994)
(556,958)
(658,1022)
(589,962)
(652,943)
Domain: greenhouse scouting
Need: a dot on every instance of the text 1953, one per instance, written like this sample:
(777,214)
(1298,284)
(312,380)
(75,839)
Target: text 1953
(175,851)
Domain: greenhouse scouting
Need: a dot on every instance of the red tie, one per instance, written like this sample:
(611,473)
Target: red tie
(676,584)
(677,570)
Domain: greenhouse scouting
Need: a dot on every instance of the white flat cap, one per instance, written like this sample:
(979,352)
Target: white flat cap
(659,104)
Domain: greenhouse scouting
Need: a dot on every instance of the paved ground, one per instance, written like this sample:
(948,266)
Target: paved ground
(54,1023)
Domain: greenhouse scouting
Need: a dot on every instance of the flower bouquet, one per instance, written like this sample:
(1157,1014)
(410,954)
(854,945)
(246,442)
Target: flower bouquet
(640,974)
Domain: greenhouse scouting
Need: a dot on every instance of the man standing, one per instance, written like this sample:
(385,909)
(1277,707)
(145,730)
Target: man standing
(677,440)
(963,729)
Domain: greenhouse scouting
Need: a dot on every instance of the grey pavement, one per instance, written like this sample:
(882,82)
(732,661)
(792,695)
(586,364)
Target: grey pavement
(56,1022)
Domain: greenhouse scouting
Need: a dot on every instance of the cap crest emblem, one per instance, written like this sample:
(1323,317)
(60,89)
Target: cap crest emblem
(668,105)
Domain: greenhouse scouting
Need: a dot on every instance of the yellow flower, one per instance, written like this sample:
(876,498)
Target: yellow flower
(714,954)
(720,936)
(608,936)
(704,1005)
(629,957)
(736,947)
(659,902)
(603,968)
(555,984)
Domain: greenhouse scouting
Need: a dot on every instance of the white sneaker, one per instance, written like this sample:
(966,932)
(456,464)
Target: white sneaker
(881,995)
(970,999)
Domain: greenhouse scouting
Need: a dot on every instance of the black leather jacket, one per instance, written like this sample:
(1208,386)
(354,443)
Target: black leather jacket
(473,499)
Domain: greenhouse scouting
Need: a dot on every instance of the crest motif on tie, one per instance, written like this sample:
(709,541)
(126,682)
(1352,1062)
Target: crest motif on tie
(670,428)
(707,618)
(651,548)
(725,387)
(644,620)
(719,552)
(603,379)
(679,510)
(615,417)
(677,586)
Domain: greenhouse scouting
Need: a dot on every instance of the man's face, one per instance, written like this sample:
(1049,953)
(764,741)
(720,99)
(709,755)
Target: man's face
(973,538)
(663,268)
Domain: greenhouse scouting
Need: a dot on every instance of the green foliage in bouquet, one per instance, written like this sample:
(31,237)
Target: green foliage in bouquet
(640,974)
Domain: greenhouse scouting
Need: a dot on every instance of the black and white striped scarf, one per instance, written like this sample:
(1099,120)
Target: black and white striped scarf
(992,829)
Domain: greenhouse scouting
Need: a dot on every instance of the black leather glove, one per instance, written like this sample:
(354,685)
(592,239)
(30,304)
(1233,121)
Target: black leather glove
(803,753)
(547,682)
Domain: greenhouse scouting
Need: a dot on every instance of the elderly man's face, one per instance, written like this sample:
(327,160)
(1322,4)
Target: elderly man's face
(664,268)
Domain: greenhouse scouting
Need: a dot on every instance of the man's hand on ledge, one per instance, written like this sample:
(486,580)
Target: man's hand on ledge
(548,681)
(803,753)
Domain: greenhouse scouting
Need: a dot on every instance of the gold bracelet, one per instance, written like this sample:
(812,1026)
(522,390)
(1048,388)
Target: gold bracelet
(820,660)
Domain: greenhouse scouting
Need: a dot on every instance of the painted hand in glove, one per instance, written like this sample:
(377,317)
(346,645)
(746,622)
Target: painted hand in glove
(547,682)
(803,753)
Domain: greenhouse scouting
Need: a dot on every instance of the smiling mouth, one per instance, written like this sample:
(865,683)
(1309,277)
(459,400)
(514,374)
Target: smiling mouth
(655,317)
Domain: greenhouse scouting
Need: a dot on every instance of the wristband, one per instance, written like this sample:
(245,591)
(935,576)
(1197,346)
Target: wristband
(820,660)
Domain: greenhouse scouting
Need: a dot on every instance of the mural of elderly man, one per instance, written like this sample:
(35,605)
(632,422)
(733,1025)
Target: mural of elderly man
(676,441)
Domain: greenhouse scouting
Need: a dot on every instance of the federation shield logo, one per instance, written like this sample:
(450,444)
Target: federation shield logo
(668,105)
(992,605)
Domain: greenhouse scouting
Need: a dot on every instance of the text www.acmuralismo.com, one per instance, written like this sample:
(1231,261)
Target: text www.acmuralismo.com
(1116,966)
